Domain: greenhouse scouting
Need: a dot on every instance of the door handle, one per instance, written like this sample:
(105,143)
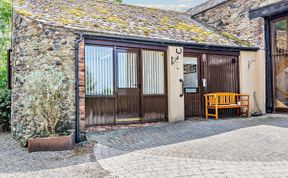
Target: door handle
(182,82)
(138,85)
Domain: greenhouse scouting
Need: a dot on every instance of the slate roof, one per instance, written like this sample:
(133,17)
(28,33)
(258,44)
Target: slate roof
(205,6)
(108,18)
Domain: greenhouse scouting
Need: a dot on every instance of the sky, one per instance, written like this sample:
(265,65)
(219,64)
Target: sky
(179,5)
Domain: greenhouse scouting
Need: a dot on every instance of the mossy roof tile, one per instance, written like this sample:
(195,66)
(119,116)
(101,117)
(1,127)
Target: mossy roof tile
(121,19)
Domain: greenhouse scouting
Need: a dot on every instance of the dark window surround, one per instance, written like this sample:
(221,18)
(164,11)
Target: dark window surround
(269,10)
(269,63)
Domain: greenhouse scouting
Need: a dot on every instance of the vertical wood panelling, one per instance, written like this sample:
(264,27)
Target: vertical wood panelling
(99,110)
(223,76)
(154,108)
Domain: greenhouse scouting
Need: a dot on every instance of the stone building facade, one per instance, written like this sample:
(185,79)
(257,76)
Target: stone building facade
(36,46)
(232,17)
(46,34)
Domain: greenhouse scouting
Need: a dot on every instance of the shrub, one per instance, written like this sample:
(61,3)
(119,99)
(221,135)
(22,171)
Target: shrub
(47,92)
(5,109)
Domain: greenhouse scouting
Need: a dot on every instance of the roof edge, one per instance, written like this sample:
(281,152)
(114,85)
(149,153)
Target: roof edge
(207,9)
(269,10)
(164,42)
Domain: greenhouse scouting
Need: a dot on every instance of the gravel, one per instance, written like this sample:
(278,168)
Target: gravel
(14,159)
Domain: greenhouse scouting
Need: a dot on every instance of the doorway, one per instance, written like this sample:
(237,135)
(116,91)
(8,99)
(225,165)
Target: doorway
(192,85)
(128,86)
(208,73)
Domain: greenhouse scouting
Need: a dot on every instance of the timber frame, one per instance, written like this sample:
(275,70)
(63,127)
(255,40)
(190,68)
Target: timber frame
(270,13)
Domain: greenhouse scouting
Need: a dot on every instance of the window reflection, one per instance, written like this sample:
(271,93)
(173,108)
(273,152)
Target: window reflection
(99,70)
(190,74)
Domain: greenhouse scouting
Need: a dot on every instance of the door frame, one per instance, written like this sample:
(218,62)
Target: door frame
(200,77)
(116,81)
(203,58)
(272,49)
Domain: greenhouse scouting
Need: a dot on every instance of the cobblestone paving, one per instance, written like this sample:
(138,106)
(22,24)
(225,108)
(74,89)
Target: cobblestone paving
(132,139)
(255,147)
(260,151)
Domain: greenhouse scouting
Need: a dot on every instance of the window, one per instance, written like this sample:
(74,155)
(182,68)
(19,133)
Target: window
(190,74)
(99,70)
(281,30)
(153,72)
(127,70)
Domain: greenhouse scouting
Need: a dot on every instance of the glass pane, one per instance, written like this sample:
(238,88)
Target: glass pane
(99,70)
(153,72)
(281,81)
(190,74)
(280,58)
(281,37)
(127,70)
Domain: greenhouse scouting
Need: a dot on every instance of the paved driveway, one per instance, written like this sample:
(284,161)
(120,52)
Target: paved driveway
(255,147)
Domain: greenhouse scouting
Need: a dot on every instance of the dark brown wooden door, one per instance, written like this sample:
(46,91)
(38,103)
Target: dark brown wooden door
(192,85)
(221,73)
(128,86)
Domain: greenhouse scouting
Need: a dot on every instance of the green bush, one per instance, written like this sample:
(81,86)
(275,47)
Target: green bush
(5,109)
(47,93)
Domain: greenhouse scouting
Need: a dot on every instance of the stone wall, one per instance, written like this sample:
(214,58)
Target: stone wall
(37,46)
(233,17)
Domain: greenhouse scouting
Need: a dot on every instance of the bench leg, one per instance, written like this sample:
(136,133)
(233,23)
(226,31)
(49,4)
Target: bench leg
(216,113)
(206,112)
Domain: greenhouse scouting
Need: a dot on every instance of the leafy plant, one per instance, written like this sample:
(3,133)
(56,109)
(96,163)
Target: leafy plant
(47,92)
(5,109)
(5,33)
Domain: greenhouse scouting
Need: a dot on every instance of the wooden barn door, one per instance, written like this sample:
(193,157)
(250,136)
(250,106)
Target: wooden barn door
(128,86)
(221,74)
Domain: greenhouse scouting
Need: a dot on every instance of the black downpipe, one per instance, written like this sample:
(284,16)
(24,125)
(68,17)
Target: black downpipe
(77,86)
(269,69)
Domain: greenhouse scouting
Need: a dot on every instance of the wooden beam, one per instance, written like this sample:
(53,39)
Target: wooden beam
(269,10)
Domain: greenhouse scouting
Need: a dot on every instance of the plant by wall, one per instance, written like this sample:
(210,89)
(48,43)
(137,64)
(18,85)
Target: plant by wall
(5,34)
(5,109)
(47,92)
